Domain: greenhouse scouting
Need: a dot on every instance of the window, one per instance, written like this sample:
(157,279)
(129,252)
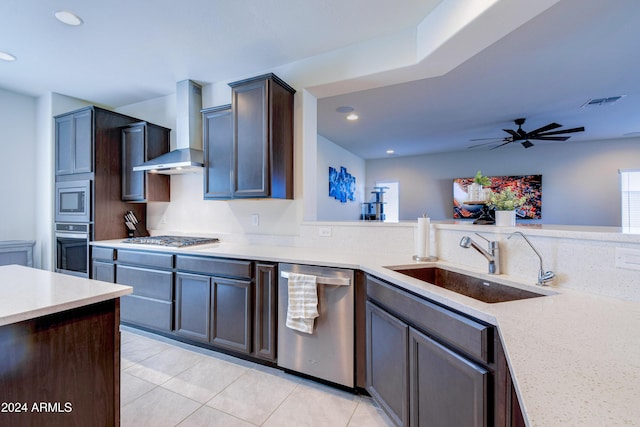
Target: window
(630,192)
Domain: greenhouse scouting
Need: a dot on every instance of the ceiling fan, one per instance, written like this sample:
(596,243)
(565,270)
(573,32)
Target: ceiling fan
(545,133)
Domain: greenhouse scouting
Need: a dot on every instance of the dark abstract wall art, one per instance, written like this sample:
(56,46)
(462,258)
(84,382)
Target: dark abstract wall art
(342,185)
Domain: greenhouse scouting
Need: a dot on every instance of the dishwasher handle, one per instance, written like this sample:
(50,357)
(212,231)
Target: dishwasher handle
(320,280)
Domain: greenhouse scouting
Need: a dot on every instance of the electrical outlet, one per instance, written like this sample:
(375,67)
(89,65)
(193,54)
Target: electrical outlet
(324,231)
(628,258)
(255,220)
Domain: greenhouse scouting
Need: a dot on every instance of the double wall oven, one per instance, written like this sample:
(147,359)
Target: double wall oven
(73,227)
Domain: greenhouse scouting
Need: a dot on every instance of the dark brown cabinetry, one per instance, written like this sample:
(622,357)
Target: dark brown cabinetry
(266,307)
(211,307)
(427,365)
(88,147)
(388,363)
(229,304)
(141,142)
(262,111)
(74,142)
(218,152)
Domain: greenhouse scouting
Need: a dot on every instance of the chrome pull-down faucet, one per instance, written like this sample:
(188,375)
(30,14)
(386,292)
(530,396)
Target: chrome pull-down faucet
(492,255)
(544,277)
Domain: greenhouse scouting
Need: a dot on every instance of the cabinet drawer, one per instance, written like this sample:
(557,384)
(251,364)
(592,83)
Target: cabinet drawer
(470,336)
(146,312)
(103,254)
(148,259)
(146,282)
(215,266)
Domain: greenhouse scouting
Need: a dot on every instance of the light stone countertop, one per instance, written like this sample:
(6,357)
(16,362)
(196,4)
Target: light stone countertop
(27,293)
(574,356)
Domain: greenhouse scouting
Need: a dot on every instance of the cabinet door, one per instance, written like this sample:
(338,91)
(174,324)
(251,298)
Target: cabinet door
(387,363)
(266,310)
(83,124)
(250,142)
(133,148)
(74,143)
(193,306)
(231,302)
(446,388)
(105,271)
(218,152)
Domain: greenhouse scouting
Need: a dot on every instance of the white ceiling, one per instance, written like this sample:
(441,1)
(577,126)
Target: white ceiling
(544,71)
(130,51)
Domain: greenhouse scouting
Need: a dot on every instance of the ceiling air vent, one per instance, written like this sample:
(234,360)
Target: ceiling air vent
(600,102)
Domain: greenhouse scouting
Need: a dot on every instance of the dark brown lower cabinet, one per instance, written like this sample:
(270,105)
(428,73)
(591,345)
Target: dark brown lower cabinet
(215,310)
(232,313)
(193,306)
(388,363)
(427,365)
(446,389)
(266,309)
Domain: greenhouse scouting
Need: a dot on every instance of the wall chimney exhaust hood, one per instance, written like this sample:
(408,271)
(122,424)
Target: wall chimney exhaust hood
(188,156)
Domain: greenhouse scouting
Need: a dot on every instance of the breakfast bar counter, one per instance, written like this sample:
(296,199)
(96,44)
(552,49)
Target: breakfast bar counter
(61,349)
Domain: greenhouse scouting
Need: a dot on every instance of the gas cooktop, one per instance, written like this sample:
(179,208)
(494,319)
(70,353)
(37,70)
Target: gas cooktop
(173,241)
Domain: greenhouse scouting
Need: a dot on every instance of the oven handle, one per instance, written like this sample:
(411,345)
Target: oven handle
(73,235)
(320,280)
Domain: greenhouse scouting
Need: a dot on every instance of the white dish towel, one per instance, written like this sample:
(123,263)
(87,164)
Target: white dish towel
(303,302)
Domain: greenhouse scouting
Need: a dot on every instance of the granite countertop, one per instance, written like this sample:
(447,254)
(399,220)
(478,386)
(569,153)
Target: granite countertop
(574,356)
(27,293)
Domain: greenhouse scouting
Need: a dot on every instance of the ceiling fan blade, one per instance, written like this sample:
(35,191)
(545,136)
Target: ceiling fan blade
(498,138)
(558,132)
(550,138)
(489,143)
(513,133)
(498,146)
(526,144)
(550,126)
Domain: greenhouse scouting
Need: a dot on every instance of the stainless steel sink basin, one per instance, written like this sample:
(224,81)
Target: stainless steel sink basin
(474,287)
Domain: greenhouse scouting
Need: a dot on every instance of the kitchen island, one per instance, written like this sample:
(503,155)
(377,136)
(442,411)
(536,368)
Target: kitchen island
(60,349)
(572,354)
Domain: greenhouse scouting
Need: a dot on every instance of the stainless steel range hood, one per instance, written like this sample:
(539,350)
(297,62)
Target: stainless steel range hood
(188,156)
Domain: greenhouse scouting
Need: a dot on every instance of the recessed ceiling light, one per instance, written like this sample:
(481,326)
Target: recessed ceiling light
(68,18)
(352,116)
(391,151)
(345,109)
(7,56)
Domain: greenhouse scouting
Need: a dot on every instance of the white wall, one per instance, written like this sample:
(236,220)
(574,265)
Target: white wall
(328,208)
(17,166)
(580,182)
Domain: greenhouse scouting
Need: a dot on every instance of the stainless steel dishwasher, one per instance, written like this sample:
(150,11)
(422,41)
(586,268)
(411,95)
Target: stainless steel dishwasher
(327,353)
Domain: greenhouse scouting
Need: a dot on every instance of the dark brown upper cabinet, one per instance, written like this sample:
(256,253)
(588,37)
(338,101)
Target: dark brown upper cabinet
(140,142)
(74,142)
(262,120)
(217,124)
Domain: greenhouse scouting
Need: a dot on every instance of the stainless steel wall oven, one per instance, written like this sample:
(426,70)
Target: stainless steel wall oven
(72,248)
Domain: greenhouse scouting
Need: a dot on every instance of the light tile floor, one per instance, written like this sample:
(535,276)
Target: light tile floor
(168,383)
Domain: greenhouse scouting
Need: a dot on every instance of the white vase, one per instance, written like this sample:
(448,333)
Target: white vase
(505,218)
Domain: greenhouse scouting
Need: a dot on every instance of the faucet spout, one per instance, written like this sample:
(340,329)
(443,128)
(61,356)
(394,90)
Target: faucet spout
(492,255)
(544,277)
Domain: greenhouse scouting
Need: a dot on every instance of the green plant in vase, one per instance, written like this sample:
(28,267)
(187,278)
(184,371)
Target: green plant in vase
(482,180)
(505,203)
(506,200)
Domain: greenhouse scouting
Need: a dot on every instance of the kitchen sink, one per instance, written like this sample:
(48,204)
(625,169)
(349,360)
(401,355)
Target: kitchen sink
(474,287)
